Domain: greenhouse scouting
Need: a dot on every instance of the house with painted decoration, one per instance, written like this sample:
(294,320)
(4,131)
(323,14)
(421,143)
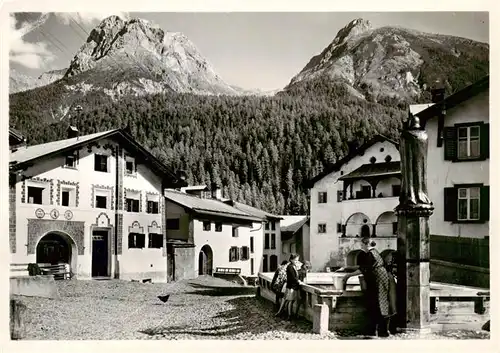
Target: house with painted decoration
(93,202)
(209,234)
(354,198)
(458,167)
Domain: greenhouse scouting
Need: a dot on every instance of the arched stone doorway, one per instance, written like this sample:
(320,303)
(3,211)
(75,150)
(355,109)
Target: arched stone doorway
(57,248)
(205,261)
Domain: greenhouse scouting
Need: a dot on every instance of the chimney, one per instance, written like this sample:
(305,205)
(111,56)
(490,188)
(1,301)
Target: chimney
(437,92)
(216,192)
(72,132)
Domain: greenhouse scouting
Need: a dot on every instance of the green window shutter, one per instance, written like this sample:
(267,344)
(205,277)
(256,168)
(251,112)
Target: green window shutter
(450,204)
(485,141)
(450,143)
(485,203)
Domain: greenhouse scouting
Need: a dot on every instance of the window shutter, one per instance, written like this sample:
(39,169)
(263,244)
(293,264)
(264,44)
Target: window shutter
(485,203)
(230,254)
(242,256)
(339,195)
(485,141)
(450,143)
(450,204)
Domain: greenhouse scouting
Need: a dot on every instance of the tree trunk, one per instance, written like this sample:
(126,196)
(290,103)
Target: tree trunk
(17,320)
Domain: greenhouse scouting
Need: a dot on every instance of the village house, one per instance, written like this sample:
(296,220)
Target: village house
(458,173)
(208,235)
(295,237)
(93,202)
(352,199)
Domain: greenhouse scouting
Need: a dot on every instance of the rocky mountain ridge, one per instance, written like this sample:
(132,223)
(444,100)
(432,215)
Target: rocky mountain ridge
(394,62)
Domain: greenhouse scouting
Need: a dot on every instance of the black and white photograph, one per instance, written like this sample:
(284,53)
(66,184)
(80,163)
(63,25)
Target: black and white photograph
(247,175)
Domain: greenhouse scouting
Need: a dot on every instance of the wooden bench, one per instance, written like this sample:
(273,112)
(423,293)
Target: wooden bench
(59,271)
(227,270)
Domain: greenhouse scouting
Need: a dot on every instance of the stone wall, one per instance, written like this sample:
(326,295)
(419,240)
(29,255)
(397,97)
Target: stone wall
(184,263)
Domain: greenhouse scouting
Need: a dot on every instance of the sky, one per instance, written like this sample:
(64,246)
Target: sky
(259,50)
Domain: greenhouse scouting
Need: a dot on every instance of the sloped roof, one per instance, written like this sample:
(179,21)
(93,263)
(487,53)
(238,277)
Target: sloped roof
(209,207)
(336,167)
(30,153)
(454,99)
(16,134)
(294,227)
(417,108)
(252,210)
(375,169)
(195,188)
(25,156)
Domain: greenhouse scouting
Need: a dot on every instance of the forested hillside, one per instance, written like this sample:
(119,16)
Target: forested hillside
(259,149)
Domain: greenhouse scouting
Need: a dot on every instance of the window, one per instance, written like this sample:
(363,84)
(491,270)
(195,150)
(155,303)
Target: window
(70,161)
(218,226)
(155,240)
(466,203)
(101,201)
(252,267)
(234,254)
(273,225)
(267,226)
(273,263)
(235,232)
(322,228)
(102,198)
(153,207)
(68,197)
(35,195)
(340,195)
(136,241)
(251,245)
(130,167)
(339,227)
(266,241)
(468,142)
(173,223)
(273,241)
(153,203)
(463,142)
(132,201)
(394,228)
(321,197)
(206,226)
(396,190)
(100,163)
(264,263)
(244,253)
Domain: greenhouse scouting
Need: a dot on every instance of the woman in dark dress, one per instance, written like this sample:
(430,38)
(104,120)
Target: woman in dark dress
(380,298)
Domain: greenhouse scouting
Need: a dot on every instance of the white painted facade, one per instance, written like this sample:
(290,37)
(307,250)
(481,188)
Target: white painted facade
(219,242)
(329,248)
(271,248)
(442,173)
(83,184)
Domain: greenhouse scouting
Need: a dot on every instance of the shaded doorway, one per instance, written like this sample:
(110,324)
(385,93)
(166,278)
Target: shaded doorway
(100,255)
(53,249)
(205,259)
(273,263)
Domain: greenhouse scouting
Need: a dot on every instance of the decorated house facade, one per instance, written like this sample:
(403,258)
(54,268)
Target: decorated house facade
(354,198)
(94,202)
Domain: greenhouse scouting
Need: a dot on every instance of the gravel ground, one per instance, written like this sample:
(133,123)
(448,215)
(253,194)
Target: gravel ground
(205,308)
